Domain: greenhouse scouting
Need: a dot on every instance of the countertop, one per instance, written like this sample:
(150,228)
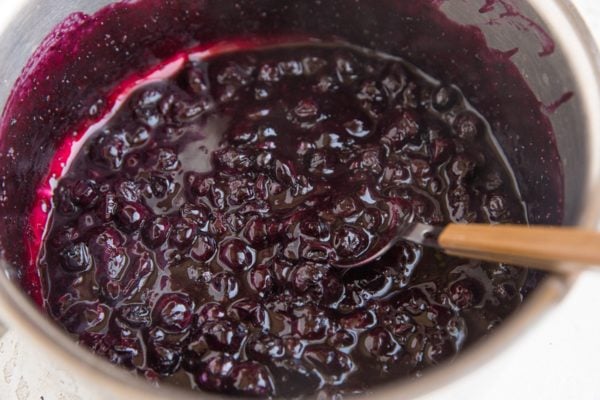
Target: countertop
(556,359)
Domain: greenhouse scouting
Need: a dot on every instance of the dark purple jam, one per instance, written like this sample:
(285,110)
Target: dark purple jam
(191,238)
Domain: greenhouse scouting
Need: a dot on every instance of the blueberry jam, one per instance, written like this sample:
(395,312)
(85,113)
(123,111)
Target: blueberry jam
(177,178)
(192,235)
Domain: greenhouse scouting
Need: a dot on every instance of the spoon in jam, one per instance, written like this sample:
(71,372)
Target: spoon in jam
(541,247)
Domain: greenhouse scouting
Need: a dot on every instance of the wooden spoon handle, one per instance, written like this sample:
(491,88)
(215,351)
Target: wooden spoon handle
(540,247)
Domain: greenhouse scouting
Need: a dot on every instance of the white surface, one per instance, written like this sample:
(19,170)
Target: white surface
(556,360)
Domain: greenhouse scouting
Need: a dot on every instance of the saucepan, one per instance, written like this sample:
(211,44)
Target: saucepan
(556,56)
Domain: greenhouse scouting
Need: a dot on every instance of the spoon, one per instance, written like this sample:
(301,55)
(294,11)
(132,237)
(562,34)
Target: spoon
(542,247)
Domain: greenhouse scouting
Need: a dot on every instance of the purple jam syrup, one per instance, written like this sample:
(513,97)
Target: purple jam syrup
(229,188)
(190,205)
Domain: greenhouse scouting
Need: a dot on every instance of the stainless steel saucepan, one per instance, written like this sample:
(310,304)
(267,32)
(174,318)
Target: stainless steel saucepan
(573,66)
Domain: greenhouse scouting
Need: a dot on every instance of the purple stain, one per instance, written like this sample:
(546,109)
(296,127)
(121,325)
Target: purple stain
(510,14)
(556,104)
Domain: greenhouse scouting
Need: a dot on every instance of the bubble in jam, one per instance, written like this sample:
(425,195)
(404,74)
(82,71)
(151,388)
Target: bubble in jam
(192,237)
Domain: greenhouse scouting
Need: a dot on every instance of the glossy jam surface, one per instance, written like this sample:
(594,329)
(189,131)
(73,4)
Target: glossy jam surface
(191,238)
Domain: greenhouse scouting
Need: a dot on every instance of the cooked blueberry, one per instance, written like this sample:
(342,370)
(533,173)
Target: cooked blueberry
(359,320)
(108,207)
(183,233)
(135,315)
(200,185)
(128,191)
(85,193)
(110,150)
(173,312)
(496,206)
(357,128)
(345,206)
(266,348)
(64,202)
(210,312)
(463,166)
(321,162)
(403,127)
(215,372)
(112,264)
(445,97)
(252,313)
(232,160)
(330,362)
(441,149)
(310,322)
(372,97)
(84,316)
(223,287)
(317,281)
(251,379)
(160,185)
(466,293)
(77,258)
(63,237)
(350,241)
(346,67)
(260,280)
(164,359)
(236,255)
(236,74)
(261,232)
(438,350)
(467,126)
(394,80)
(379,343)
(193,236)
(131,216)
(203,248)
(224,335)
(156,231)
(165,159)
